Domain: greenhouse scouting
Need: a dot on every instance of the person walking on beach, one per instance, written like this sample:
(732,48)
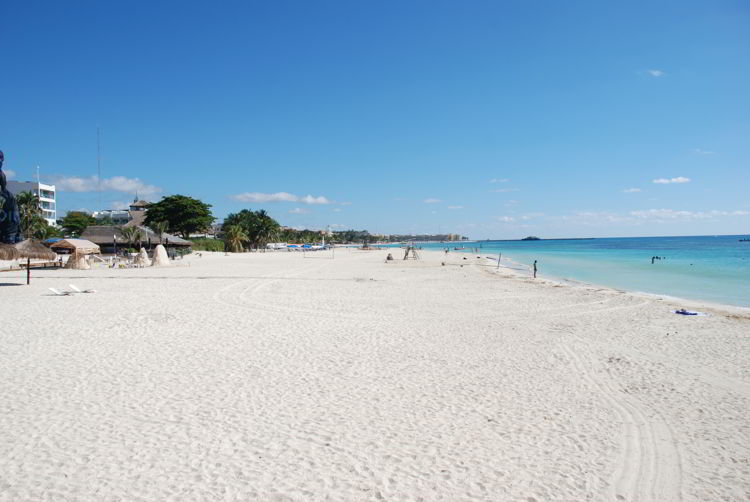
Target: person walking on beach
(534,269)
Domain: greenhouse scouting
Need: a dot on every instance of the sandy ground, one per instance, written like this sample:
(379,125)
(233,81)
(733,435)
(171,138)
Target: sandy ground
(285,377)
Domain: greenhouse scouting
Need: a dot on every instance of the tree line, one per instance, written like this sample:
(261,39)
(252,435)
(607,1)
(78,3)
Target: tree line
(183,215)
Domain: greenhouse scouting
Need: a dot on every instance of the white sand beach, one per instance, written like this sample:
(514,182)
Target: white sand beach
(291,377)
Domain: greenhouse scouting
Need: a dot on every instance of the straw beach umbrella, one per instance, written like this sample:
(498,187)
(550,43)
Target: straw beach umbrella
(33,249)
(8,252)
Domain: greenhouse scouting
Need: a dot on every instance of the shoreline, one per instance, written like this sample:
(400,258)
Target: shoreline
(689,302)
(564,280)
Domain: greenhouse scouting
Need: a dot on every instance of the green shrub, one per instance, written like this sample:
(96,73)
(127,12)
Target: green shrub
(208,245)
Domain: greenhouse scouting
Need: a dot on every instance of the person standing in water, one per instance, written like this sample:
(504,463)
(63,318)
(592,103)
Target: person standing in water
(534,269)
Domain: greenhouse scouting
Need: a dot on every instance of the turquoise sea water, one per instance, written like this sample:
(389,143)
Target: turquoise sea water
(711,268)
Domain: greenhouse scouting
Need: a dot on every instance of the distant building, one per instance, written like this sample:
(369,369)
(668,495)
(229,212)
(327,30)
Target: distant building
(139,205)
(46,194)
(117,216)
(134,216)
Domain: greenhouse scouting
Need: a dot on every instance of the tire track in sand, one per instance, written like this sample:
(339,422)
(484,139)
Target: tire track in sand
(248,297)
(694,369)
(649,469)
(253,285)
(566,311)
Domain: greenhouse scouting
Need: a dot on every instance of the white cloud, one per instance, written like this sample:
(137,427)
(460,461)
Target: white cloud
(698,151)
(531,216)
(259,197)
(511,203)
(265,197)
(76,184)
(594,218)
(671,214)
(118,204)
(345,203)
(499,180)
(9,173)
(432,201)
(129,185)
(309,199)
(116,183)
(640,217)
(504,190)
(679,179)
(298,210)
(455,207)
(656,73)
(662,214)
(506,219)
(631,190)
(337,210)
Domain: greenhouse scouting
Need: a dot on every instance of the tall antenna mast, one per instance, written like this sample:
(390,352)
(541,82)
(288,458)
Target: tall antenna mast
(98,168)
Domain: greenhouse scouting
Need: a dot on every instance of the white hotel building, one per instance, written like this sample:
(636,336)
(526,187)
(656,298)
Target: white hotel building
(46,193)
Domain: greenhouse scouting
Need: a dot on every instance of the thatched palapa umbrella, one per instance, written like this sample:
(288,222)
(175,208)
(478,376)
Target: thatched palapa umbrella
(8,252)
(33,249)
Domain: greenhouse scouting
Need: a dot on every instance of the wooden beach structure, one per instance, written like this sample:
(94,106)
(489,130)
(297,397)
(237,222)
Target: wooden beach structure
(78,249)
(76,246)
(110,239)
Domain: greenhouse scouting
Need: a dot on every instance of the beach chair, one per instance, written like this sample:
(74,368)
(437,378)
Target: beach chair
(76,290)
(60,293)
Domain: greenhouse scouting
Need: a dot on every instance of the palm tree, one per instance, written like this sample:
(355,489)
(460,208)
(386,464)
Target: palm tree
(266,229)
(159,228)
(42,230)
(132,235)
(235,237)
(32,221)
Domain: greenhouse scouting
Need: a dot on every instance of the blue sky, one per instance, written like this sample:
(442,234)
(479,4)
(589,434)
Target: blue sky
(486,118)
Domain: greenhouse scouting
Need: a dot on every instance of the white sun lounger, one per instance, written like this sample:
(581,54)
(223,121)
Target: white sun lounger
(76,290)
(60,293)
